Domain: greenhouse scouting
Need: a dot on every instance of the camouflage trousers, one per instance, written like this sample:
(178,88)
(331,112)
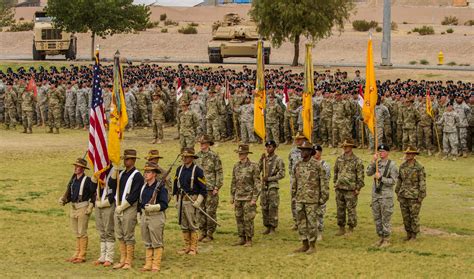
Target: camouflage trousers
(462,132)
(399,135)
(388,134)
(209,205)
(326,130)
(289,126)
(410,213)
(341,132)
(131,120)
(10,117)
(321,213)
(54,117)
(41,114)
(70,116)
(382,210)
(246,132)
(307,220)
(409,138)
(425,137)
(270,201)
(450,144)
(143,115)
(187,141)
(214,128)
(27,119)
(245,216)
(380,140)
(293,201)
(82,115)
(346,202)
(157,126)
(273,132)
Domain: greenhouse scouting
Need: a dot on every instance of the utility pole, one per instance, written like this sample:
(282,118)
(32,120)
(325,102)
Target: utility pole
(387,33)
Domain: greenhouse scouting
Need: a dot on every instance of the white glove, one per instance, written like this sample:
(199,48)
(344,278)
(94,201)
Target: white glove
(152,207)
(119,209)
(94,179)
(113,172)
(198,201)
(89,208)
(61,201)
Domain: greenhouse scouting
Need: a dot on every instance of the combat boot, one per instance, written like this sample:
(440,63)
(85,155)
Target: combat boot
(248,243)
(378,243)
(341,231)
(24,131)
(240,242)
(148,259)
(123,255)
(267,230)
(129,258)
(202,237)
(454,158)
(154,141)
(30,131)
(156,263)
(408,237)
(464,154)
(187,243)
(429,153)
(303,248)
(350,231)
(294,227)
(385,242)
(159,142)
(56,131)
(320,237)
(272,230)
(312,248)
(413,237)
(50,131)
(193,249)
(208,238)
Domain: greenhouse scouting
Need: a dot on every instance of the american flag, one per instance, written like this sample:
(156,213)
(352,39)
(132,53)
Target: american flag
(97,153)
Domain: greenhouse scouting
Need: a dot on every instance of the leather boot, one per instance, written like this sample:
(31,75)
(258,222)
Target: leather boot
(378,243)
(303,248)
(202,236)
(101,259)
(272,230)
(240,242)
(24,131)
(82,250)
(341,231)
(129,259)
(109,253)
(267,230)
(312,248)
(193,249)
(76,253)
(408,237)
(187,243)
(294,227)
(385,242)
(464,154)
(350,231)
(156,263)
(148,259)
(208,238)
(123,255)
(159,141)
(248,242)
(413,236)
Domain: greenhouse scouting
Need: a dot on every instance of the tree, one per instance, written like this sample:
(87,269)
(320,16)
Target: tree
(281,20)
(100,17)
(6,13)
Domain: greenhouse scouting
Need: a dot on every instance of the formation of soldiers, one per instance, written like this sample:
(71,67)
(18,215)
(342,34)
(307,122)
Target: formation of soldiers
(64,96)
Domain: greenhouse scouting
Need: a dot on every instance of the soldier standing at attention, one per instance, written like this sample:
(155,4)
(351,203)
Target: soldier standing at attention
(54,108)
(126,196)
(348,181)
(189,126)
(273,169)
(311,190)
(382,193)
(246,121)
(411,190)
(70,106)
(10,106)
(244,191)
(80,193)
(212,115)
(449,121)
(409,117)
(153,217)
(463,111)
(190,190)
(272,123)
(211,164)
(158,117)
(293,158)
(27,103)
(318,152)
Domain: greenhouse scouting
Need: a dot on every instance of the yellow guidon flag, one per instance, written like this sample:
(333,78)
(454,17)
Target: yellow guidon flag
(307,109)
(370,93)
(118,113)
(429,106)
(260,96)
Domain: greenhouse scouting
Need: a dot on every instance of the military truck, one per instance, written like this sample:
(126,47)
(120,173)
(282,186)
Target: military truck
(235,38)
(48,40)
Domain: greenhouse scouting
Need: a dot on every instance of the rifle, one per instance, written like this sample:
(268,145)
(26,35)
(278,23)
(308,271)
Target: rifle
(162,181)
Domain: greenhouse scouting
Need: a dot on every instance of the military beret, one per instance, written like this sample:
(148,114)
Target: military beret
(383,147)
(270,142)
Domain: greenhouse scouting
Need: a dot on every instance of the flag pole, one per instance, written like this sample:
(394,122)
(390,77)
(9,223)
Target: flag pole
(116,63)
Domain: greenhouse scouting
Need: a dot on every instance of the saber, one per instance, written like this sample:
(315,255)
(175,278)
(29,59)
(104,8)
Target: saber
(200,209)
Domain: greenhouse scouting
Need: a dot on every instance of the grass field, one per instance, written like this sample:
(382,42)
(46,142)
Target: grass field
(37,238)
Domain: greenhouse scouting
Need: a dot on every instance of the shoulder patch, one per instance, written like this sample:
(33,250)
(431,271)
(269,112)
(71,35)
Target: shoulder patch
(202,180)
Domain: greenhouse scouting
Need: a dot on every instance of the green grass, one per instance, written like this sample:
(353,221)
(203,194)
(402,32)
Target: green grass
(37,236)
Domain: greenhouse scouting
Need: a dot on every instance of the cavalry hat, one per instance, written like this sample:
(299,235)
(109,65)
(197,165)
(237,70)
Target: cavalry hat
(306,145)
(153,154)
(130,154)
(348,143)
(243,148)
(271,142)
(152,166)
(383,147)
(81,163)
(206,139)
(411,150)
(189,152)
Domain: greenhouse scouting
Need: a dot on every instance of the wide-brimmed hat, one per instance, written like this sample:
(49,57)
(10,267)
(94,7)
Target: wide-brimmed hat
(206,139)
(411,150)
(152,166)
(189,152)
(243,148)
(299,136)
(81,163)
(306,145)
(130,154)
(348,143)
(153,154)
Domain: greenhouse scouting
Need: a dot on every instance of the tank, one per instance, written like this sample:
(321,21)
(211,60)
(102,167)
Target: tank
(48,40)
(233,37)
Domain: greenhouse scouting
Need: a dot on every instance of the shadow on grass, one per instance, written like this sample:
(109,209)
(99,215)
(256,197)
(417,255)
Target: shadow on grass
(47,212)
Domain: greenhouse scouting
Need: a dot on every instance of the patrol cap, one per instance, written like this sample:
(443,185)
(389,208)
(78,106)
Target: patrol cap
(383,147)
(271,142)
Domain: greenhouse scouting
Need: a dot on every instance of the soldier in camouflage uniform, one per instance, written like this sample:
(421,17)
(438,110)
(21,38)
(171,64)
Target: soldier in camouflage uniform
(385,177)
(470,133)
(20,87)
(27,104)
(317,153)
(464,111)
(42,104)
(10,106)
(82,103)
(189,126)
(311,190)
(399,135)
(383,116)
(411,190)
(244,192)
(272,124)
(2,100)
(130,102)
(54,108)
(158,118)
(326,120)
(449,120)
(342,114)
(143,99)
(410,117)
(213,108)
(291,116)
(210,162)
(273,169)
(425,134)
(197,106)
(246,121)
(70,109)
(293,158)
(348,181)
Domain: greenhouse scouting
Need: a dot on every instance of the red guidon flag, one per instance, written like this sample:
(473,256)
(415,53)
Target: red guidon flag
(179,90)
(286,98)
(32,86)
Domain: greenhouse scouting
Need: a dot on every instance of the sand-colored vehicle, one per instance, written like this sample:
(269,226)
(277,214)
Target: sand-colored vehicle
(235,38)
(48,40)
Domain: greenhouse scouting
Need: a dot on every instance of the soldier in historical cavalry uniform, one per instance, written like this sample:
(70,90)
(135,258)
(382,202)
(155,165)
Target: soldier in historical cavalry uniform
(54,108)
(272,169)
(158,118)
(244,192)
(318,152)
(385,177)
(449,120)
(411,190)
(127,192)
(80,193)
(311,190)
(210,162)
(190,191)
(348,181)
(189,126)
(153,203)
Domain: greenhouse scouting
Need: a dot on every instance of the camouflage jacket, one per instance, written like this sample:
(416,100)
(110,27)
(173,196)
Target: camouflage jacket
(411,182)
(54,98)
(245,185)
(275,170)
(310,184)
(272,113)
(382,115)
(326,108)
(342,112)
(198,107)
(27,100)
(386,182)
(70,98)
(463,111)
(348,173)
(213,108)
(211,163)
(293,158)
(425,119)
(10,98)
(189,123)
(158,110)
(449,121)
(409,116)
(246,113)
